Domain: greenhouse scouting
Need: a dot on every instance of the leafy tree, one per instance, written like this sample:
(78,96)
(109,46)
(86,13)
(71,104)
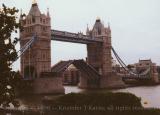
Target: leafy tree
(8,54)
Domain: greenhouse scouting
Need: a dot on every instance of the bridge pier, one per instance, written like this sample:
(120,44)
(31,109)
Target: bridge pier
(112,81)
(48,85)
(88,83)
(83,81)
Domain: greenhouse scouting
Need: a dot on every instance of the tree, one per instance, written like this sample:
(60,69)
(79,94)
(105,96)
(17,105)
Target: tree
(8,54)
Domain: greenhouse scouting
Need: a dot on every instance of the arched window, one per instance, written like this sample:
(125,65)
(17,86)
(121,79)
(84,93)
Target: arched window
(41,20)
(44,21)
(33,20)
(43,56)
(24,22)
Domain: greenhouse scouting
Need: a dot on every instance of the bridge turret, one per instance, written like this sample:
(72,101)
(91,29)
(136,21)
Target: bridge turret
(98,28)
(48,15)
(87,31)
(21,18)
(34,10)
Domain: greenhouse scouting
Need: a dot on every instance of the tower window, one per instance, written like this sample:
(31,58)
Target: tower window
(41,20)
(43,28)
(44,21)
(99,31)
(43,56)
(33,19)
(24,22)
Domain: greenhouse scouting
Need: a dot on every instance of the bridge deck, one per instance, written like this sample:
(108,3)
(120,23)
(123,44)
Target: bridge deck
(73,37)
(79,64)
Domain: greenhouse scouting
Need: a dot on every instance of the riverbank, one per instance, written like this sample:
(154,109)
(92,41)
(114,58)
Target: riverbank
(149,94)
(88,103)
(31,112)
(150,111)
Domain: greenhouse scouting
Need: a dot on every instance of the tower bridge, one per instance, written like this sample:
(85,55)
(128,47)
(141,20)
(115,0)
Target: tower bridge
(36,60)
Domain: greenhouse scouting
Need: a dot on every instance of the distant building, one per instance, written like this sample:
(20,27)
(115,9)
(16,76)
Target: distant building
(139,67)
(143,65)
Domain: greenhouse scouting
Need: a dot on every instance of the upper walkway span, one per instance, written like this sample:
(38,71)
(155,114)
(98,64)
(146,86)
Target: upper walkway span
(73,37)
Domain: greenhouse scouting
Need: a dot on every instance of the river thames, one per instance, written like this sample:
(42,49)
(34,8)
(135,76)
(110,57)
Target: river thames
(150,95)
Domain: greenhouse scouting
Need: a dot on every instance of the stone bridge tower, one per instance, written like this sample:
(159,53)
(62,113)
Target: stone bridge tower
(37,58)
(99,55)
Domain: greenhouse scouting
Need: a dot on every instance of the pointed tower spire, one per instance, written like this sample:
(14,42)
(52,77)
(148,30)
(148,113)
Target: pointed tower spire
(98,27)
(48,12)
(108,25)
(21,11)
(87,28)
(21,17)
(87,31)
(34,2)
(98,18)
(34,11)
(109,28)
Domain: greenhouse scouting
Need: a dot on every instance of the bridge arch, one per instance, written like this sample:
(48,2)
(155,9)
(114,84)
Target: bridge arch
(89,78)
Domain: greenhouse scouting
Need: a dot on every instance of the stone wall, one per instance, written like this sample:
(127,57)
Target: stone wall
(48,85)
(112,81)
(88,83)
(83,81)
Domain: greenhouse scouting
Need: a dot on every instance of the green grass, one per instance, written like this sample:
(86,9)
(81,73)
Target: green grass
(97,99)
(98,103)
(94,104)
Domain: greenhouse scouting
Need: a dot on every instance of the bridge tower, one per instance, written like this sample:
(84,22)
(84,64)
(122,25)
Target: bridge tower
(37,58)
(99,55)
(36,61)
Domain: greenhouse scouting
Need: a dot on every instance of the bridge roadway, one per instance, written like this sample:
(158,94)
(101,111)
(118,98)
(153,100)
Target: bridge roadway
(79,64)
(73,37)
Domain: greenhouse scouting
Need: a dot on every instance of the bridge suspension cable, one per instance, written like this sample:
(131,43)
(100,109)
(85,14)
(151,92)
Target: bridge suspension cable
(144,73)
(25,47)
(124,66)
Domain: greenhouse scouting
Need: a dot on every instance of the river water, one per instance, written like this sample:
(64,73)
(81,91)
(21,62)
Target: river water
(150,95)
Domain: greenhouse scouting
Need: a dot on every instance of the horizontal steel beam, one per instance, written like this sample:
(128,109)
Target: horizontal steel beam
(73,37)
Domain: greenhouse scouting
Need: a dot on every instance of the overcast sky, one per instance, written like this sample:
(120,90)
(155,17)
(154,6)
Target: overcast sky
(135,25)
